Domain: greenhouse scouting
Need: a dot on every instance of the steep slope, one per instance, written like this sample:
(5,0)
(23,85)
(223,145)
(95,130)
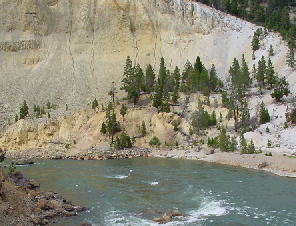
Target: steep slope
(69,51)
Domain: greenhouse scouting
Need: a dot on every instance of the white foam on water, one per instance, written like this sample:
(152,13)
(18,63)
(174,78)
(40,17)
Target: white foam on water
(154,183)
(118,177)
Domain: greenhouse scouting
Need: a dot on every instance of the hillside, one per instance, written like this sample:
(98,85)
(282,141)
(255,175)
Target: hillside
(69,52)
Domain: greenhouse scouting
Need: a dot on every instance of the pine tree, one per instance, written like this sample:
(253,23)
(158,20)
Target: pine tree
(251,148)
(123,111)
(200,119)
(132,81)
(243,145)
(223,140)
(245,72)
(16,118)
(214,82)
(270,74)
(165,105)
(291,57)
(271,51)
(256,40)
(24,110)
(198,66)
(213,119)
(150,78)
(233,144)
(176,88)
(103,128)
(281,89)
(261,73)
(112,126)
(143,129)
(264,116)
(95,104)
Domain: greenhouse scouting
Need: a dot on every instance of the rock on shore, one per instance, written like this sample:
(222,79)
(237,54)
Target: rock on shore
(22,204)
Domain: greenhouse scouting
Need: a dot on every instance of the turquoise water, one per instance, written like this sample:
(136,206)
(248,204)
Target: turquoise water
(132,192)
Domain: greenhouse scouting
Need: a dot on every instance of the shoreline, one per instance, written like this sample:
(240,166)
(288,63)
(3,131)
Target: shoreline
(278,164)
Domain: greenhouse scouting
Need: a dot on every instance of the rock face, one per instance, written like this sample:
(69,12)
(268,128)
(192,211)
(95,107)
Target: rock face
(70,51)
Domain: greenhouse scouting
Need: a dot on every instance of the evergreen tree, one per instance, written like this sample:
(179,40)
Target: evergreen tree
(256,40)
(123,141)
(223,140)
(214,82)
(261,73)
(112,126)
(245,72)
(176,88)
(198,66)
(123,111)
(95,104)
(213,119)
(150,78)
(251,148)
(263,114)
(132,81)
(165,105)
(24,110)
(103,128)
(271,51)
(291,57)
(200,119)
(16,118)
(270,75)
(143,129)
(281,89)
(233,144)
(243,145)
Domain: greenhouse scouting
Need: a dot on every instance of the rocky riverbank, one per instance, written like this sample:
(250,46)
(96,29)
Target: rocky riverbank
(22,204)
(96,153)
(279,164)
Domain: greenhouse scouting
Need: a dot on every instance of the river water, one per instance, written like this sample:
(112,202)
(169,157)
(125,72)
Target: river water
(133,192)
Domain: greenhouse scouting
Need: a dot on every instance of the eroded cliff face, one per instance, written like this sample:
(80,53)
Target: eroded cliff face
(69,51)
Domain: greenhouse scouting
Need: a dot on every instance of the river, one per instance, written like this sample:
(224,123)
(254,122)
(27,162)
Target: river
(134,191)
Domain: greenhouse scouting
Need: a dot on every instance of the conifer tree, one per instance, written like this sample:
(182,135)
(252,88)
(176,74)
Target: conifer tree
(103,128)
(150,78)
(261,73)
(281,89)
(95,104)
(271,51)
(251,148)
(223,140)
(123,111)
(264,116)
(270,75)
(245,72)
(243,145)
(214,82)
(143,129)
(256,40)
(24,110)
(165,105)
(112,126)
(291,57)
(176,88)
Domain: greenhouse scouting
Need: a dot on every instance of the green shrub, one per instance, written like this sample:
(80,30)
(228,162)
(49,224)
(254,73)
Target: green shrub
(268,154)
(267,130)
(67,146)
(155,141)
(123,141)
